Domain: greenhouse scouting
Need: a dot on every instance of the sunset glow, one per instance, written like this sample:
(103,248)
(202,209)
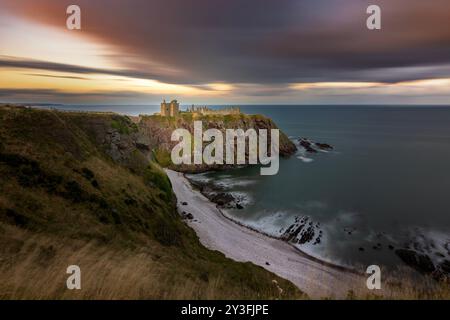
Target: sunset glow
(40,56)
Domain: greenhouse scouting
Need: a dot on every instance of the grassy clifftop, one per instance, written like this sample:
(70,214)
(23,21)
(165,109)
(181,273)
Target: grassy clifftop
(160,129)
(80,188)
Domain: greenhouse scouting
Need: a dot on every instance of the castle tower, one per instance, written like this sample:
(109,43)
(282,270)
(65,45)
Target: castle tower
(165,112)
(174,108)
(170,109)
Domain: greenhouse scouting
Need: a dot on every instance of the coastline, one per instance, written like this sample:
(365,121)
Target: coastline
(216,231)
(300,252)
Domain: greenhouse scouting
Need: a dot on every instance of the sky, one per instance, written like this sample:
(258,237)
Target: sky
(225,52)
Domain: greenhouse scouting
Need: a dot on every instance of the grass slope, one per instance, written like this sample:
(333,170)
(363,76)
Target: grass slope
(64,201)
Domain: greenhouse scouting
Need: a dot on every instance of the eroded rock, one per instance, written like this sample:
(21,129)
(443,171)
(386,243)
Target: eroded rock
(420,262)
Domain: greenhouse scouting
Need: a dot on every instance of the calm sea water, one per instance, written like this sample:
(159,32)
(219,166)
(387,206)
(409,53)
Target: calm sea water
(386,183)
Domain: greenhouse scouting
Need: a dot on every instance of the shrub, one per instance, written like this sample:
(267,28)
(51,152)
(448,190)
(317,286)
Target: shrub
(166,233)
(124,125)
(153,174)
(162,157)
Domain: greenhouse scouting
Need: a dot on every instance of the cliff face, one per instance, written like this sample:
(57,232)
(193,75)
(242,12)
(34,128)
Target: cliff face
(149,137)
(81,188)
(156,131)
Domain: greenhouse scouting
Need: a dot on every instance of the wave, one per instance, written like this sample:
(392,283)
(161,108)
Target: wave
(228,183)
(199,177)
(278,223)
(305,159)
(269,224)
(436,244)
(242,198)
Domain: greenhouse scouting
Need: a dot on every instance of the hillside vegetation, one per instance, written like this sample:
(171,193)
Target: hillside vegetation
(82,189)
(159,129)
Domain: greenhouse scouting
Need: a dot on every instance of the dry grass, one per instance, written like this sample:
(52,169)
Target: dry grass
(123,231)
(64,201)
(404,283)
(401,284)
(34,267)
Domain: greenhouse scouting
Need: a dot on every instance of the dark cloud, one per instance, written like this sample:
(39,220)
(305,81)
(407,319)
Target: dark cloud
(52,92)
(258,41)
(35,96)
(53,76)
(8,62)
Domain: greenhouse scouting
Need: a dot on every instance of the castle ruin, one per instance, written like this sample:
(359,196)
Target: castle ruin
(170,109)
(203,110)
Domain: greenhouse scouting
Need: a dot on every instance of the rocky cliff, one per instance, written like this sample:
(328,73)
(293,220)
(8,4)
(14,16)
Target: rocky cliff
(82,188)
(127,138)
(155,134)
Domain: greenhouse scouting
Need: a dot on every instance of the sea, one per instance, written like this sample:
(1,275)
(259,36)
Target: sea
(385,185)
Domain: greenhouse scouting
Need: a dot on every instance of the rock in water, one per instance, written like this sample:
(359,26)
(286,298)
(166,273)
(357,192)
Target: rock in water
(301,231)
(305,143)
(309,145)
(324,146)
(418,261)
(223,199)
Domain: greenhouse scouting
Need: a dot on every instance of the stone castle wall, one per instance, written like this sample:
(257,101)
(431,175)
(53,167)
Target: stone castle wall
(170,109)
(208,111)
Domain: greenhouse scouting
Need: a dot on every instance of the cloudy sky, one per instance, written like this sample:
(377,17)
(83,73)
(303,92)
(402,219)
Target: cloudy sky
(225,51)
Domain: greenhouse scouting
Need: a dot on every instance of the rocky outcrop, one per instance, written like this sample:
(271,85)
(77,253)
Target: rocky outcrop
(423,264)
(156,134)
(305,143)
(129,139)
(324,146)
(420,262)
(217,195)
(313,147)
(302,231)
